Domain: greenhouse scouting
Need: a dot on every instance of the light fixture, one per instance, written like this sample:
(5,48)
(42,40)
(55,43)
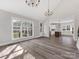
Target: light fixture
(32,3)
(48,12)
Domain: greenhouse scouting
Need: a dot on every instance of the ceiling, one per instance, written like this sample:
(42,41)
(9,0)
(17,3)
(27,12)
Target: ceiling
(62,8)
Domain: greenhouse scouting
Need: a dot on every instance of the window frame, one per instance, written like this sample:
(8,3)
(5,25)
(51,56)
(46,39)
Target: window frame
(22,21)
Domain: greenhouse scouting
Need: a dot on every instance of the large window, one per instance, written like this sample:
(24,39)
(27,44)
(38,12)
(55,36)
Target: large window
(67,28)
(22,29)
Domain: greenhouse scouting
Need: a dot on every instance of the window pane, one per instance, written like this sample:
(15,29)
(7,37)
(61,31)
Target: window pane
(30,29)
(16,34)
(24,29)
(16,29)
(41,27)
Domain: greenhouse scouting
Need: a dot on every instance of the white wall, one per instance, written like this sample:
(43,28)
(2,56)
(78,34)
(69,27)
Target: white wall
(76,31)
(46,28)
(5,27)
(76,27)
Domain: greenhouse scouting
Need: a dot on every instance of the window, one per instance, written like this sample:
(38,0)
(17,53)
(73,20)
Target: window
(21,29)
(67,28)
(24,29)
(52,27)
(29,29)
(41,27)
(16,29)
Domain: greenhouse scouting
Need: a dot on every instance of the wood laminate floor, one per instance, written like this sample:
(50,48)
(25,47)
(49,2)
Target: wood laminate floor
(41,48)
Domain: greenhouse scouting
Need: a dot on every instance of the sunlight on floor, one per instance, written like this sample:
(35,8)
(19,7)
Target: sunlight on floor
(3,57)
(29,56)
(14,51)
(18,48)
(7,50)
(15,54)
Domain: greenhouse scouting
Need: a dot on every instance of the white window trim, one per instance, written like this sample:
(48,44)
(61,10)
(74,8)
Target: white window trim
(22,20)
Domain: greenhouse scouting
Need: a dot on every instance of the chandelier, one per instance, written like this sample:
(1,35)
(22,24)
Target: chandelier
(48,12)
(32,3)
